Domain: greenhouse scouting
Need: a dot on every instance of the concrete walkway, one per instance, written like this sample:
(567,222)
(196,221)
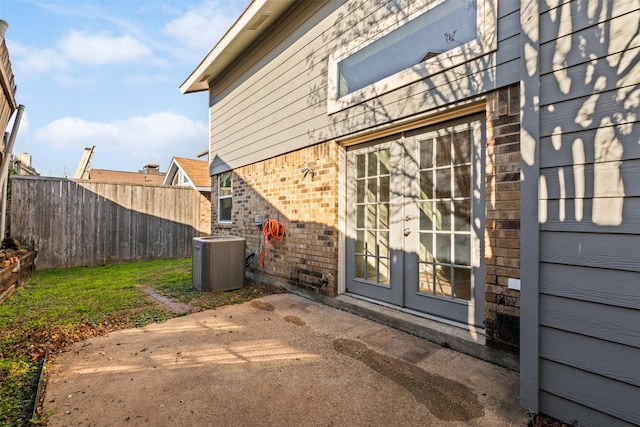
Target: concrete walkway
(282,360)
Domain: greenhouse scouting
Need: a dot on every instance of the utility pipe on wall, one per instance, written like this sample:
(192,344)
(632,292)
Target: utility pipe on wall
(4,169)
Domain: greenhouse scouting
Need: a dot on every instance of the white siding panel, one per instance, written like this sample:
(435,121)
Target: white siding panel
(606,322)
(604,358)
(591,285)
(576,414)
(588,389)
(561,182)
(589,112)
(559,150)
(578,215)
(613,251)
(570,17)
(581,76)
(282,106)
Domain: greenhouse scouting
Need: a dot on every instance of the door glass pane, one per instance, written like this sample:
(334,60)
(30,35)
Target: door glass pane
(462,181)
(443,248)
(384,189)
(360,269)
(443,183)
(360,242)
(360,216)
(383,246)
(372,218)
(372,190)
(426,215)
(384,271)
(360,165)
(360,192)
(371,242)
(443,150)
(426,185)
(462,280)
(462,249)
(462,147)
(384,216)
(443,280)
(372,269)
(443,215)
(385,161)
(426,154)
(426,278)
(462,215)
(372,164)
(426,247)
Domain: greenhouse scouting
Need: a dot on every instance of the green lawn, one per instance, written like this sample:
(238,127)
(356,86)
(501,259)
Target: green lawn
(59,307)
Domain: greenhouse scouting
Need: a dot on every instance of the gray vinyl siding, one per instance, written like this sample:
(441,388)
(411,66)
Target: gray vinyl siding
(587,336)
(274,100)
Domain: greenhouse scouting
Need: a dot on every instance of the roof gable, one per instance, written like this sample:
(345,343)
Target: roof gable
(196,171)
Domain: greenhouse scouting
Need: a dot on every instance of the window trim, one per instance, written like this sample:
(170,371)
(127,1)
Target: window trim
(485,43)
(221,197)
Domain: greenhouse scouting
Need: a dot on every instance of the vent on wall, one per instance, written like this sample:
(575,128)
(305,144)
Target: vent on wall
(259,21)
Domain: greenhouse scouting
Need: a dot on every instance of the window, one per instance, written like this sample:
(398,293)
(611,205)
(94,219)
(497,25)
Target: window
(448,33)
(373,255)
(225,194)
(445,214)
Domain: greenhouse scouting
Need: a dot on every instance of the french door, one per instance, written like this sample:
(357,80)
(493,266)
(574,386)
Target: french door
(415,220)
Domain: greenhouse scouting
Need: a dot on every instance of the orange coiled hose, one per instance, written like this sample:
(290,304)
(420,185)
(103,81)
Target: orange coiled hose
(272,233)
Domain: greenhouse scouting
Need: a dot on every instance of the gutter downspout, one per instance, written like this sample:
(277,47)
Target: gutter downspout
(4,169)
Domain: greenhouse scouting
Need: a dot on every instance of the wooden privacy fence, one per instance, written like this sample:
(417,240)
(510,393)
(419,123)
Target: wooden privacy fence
(83,223)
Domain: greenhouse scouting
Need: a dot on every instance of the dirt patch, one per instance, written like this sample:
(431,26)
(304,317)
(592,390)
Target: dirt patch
(446,399)
(262,305)
(295,320)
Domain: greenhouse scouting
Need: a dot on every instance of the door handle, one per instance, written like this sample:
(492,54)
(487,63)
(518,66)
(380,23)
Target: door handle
(407,231)
(408,218)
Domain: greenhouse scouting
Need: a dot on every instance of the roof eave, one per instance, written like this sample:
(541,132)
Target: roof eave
(242,34)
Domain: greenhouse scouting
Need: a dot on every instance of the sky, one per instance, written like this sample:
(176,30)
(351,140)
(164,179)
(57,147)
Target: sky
(107,74)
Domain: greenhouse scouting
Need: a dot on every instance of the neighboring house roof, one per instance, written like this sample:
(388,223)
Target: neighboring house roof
(248,28)
(144,178)
(196,172)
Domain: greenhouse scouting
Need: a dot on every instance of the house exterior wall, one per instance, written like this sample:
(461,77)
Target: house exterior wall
(274,99)
(269,119)
(307,257)
(307,207)
(581,263)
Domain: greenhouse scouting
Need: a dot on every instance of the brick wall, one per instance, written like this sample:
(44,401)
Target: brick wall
(502,234)
(204,227)
(307,207)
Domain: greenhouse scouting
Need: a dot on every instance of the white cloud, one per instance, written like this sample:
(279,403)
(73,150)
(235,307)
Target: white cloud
(102,48)
(127,144)
(204,24)
(29,59)
(78,47)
